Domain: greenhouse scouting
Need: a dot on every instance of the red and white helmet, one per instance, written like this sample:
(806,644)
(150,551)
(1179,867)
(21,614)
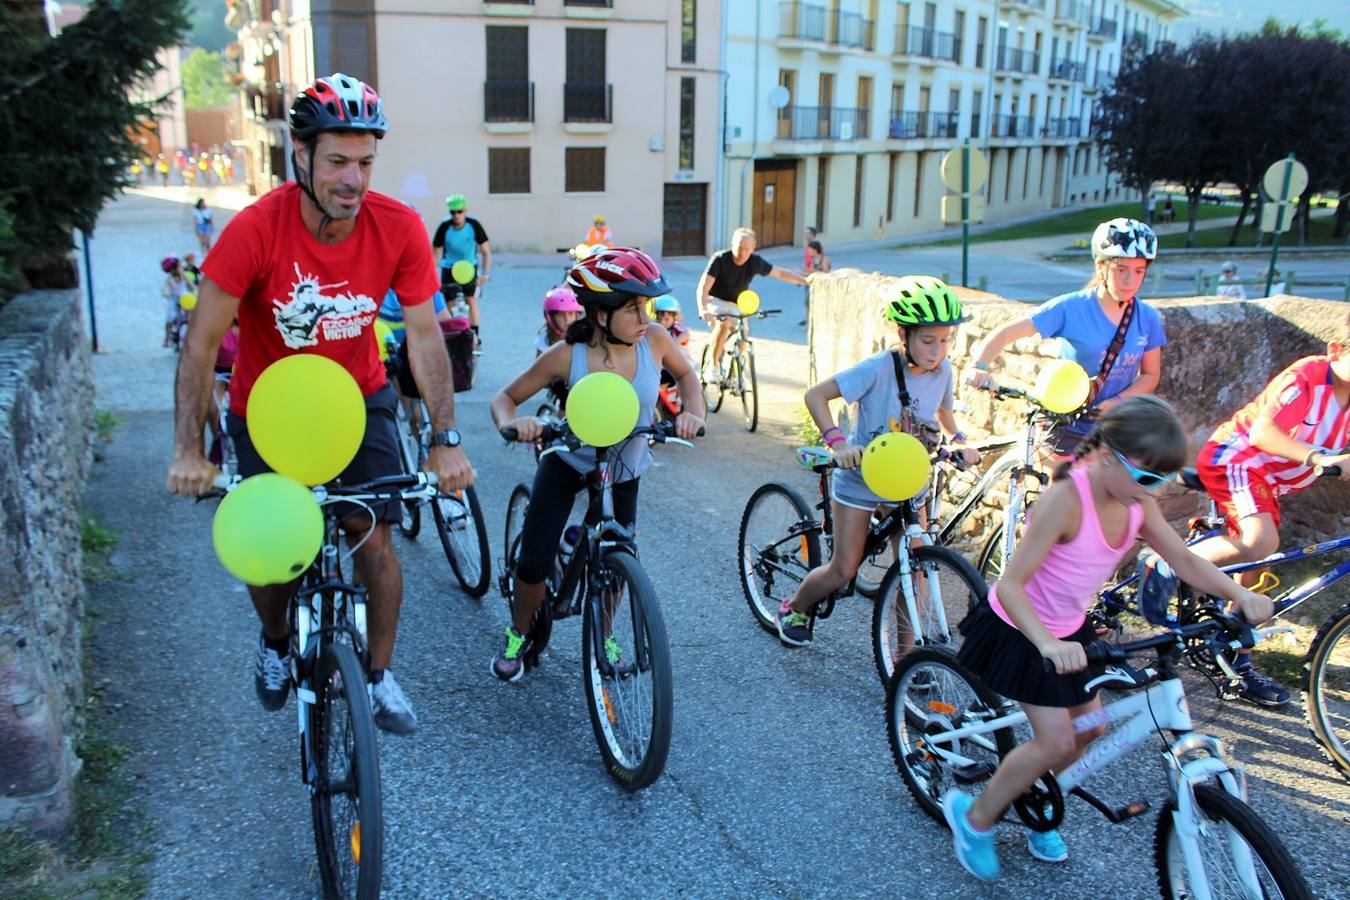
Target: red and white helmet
(612,277)
(337,102)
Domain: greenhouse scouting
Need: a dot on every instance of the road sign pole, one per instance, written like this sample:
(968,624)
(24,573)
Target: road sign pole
(89,290)
(965,213)
(1279,222)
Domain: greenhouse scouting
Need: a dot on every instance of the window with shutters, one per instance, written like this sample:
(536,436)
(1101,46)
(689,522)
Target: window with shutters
(688,30)
(508,170)
(508,95)
(585,170)
(586,95)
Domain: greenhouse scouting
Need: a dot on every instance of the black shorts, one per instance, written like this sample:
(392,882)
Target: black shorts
(451,288)
(556,485)
(1010,665)
(377,456)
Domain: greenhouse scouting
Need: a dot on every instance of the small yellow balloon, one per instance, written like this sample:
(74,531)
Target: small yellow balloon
(267,530)
(463,271)
(306,417)
(384,333)
(602,409)
(1063,386)
(895,466)
(581,251)
(747,301)
(188,301)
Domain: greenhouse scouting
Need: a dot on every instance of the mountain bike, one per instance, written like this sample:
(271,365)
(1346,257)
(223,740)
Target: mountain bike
(330,668)
(738,374)
(923,596)
(947,729)
(624,649)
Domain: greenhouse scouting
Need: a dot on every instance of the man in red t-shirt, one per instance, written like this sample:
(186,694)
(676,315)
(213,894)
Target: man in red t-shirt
(304,270)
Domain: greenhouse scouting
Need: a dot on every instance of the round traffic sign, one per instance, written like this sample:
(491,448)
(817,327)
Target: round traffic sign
(1273,180)
(951,169)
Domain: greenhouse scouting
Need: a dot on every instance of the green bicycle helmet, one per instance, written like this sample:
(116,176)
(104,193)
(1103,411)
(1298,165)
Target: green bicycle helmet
(919,300)
(456,203)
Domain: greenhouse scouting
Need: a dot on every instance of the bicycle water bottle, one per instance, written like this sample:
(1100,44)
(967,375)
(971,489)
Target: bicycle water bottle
(571,536)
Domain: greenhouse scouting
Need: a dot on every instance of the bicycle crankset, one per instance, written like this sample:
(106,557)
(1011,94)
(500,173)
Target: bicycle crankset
(1041,806)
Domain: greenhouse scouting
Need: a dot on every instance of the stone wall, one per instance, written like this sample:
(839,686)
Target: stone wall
(46,421)
(1220,354)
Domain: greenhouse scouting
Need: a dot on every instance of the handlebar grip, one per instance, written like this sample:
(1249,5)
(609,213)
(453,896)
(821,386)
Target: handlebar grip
(1332,471)
(509,434)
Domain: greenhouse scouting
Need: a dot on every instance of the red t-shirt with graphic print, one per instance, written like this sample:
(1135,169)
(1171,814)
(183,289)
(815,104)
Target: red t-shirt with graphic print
(297,295)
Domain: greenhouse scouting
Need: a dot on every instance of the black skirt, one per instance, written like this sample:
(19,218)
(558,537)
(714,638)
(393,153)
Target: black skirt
(1008,663)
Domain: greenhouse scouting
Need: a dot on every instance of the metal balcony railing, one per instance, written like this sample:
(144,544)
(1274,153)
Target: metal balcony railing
(1138,39)
(802,21)
(822,123)
(1064,128)
(1013,127)
(1074,11)
(852,30)
(927,42)
(1033,4)
(508,101)
(588,102)
(1103,28)
(906,125)
(1010,60)
(1067,70)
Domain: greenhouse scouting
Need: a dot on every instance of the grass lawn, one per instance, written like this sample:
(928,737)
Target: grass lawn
(1319,233)
(1077,223)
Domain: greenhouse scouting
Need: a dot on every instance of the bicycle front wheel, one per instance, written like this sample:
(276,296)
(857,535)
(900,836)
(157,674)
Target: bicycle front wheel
(712,390)
(1240,854)
(1326,689)
(410,521)
(459,522)
(749,388)
(626,659)
(943,588)
(779,544)
(345,787)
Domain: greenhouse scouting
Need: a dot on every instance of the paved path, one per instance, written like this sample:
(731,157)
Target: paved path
(779,781)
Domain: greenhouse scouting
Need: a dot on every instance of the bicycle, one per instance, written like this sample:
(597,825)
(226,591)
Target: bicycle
(625,652)
(780,542)
(739,376)
(946,729)
(330,668)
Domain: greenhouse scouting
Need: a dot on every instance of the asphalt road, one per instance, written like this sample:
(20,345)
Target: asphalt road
(779,781)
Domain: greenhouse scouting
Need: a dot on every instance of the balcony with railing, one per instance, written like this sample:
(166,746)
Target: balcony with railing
(927,43)
(508,101)
(1021,62)
(1138,39)
(1073,13)
(1038,5)
(588,102)
(1067,70)
(822,123)
(1103,29)
(909,125)
(1063,129)
(1099,80)
(852,30)
(1013,127)
(808,22)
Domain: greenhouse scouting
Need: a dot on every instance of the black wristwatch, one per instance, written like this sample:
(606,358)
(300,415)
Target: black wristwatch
(447,438)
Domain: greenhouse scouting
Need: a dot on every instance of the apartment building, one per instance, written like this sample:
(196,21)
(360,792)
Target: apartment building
(839,111)
(543,113)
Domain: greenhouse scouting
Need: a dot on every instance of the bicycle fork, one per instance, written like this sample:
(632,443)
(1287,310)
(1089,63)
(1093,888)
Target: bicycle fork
(1184,773)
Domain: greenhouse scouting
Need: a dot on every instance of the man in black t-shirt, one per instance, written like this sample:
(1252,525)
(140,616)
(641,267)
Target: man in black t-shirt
(728,273)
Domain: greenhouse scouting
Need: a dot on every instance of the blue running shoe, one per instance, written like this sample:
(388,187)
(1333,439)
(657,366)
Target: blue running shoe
(1047,846)
(974,849)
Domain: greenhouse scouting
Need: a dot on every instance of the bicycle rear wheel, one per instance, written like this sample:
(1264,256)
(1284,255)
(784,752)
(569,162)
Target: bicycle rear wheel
(1241,855)
(345,798)
(945,588)
(627,664)
(712,391)
(542,626)
(749,388)
(779,544)
(459,522)
(1326,689)
(409,451)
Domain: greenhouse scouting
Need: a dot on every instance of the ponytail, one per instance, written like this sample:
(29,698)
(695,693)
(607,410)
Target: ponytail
(1094,440)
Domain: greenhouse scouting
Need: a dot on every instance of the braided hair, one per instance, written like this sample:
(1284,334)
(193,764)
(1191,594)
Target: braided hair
(1144,429)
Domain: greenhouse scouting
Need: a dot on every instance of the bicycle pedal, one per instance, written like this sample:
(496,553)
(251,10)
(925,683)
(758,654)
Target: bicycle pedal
(973,774)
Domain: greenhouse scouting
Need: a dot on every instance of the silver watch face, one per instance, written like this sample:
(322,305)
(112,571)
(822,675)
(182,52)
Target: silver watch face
(447,438)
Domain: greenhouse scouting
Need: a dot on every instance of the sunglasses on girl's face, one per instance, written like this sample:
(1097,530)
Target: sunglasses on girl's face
(1142,477)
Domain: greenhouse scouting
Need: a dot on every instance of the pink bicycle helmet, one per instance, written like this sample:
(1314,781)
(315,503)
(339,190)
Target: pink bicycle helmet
(559,299)
(168,262)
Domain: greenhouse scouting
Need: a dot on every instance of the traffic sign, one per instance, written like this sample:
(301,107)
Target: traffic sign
(1274,184)
(978,170)
(951,209)
(1271,220)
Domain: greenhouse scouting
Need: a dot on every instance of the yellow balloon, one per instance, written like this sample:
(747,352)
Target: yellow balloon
(267,530)
(895,466)
(463,271)
(384,333)
(602,409)
(1062,386)
(306,417)
(581,251)
(188,301)
(747,301)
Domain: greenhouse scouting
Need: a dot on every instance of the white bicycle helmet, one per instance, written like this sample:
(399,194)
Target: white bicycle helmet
(1124,239)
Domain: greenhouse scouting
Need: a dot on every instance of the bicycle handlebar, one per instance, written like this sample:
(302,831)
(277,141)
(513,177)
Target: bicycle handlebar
(554,431)
(388,487)
(1003,392)
(1237,634)
(758,314)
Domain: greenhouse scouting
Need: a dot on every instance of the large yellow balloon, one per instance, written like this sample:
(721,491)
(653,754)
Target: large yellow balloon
(747,301)
(895,466)
(602,409)
(1062,386)
(463,271)
(268,529)
(306,417)
(188,301)
(383,334)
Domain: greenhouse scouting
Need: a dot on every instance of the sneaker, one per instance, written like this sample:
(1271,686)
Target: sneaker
(793,627)
(509,665)
(390,706)
(974,849)
(1047,846)
(271,677)
(1259,687)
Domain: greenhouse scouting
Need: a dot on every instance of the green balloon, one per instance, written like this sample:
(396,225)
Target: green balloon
(463,271)
(268,529)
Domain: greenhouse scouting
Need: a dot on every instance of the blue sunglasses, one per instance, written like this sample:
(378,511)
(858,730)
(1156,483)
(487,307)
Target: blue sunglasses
(1142,477)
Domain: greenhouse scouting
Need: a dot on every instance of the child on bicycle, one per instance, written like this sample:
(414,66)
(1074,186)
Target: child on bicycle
(667,310)
(926,313)
(1271,447)
(561,309)
(174,287)
(1117,338)
(1085,522)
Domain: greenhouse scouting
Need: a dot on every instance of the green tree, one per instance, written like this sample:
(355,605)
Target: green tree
(66,116)
(204,84)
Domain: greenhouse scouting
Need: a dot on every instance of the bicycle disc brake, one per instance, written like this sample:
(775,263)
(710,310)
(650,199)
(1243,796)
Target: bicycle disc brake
(1041,806)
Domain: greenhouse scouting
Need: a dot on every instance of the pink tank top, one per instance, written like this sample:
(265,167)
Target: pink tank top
(1062,589)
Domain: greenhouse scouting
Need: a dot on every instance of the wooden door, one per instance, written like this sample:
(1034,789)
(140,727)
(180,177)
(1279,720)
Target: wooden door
(775,202)
(684,229)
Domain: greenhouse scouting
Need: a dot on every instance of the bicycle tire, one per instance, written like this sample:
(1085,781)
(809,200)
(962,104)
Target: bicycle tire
(410,519)
(952,697)
(712,393)
(516,508)
(470,559)
(350,846)
(960,587)
(749,389)
(1330,647)
(990,564)
(1223,808)
(757,575)
(633,748)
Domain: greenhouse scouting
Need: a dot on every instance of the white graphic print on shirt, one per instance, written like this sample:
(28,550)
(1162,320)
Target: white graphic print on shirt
(310,313)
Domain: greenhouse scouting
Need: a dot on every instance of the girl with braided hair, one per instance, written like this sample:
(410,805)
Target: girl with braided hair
(1084,523)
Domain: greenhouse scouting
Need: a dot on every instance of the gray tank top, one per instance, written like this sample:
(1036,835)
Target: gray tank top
(634,455)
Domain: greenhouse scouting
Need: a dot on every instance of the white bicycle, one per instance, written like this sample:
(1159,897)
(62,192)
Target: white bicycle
(947,730)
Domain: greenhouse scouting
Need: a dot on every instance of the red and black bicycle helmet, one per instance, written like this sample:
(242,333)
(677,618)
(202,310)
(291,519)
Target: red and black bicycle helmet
(337,102)
(612,277)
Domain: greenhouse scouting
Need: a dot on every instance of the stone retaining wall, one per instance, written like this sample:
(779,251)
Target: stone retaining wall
(46,422)
(1220,354)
